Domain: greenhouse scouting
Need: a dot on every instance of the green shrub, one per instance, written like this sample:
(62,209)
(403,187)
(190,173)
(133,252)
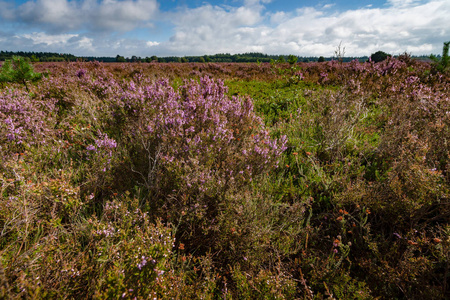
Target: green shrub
(18,70)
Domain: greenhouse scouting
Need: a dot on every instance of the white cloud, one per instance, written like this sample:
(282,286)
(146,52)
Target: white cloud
(124,15)
(106,15)
(42,38)
(7,10)
(52,12)
(404,3)
(98,27)
(328,6)
(410,26)
(151,44)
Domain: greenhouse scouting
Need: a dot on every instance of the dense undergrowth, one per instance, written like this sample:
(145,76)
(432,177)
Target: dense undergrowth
(226,181)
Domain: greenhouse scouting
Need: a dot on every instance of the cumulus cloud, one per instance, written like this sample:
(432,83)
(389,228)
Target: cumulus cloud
(413,26)
(212,29)
(106,15)
(7,11)
(42,38)
(94,27)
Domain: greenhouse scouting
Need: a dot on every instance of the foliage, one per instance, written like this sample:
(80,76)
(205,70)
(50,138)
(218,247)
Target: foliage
(443,63)
(379,56)
(18,70)
(292,59)
(237,181)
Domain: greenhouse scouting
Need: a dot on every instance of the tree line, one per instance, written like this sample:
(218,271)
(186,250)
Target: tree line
(38,56)
(251,57)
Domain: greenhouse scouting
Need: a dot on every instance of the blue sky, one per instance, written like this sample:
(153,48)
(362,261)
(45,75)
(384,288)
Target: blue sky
(195,27)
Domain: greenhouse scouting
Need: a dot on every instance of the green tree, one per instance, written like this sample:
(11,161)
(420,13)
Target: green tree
(444,62)
(321,59)
(18,69)
(379,56)
(292,59)
(120,58)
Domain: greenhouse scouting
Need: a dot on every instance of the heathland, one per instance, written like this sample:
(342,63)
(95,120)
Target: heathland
(225,181)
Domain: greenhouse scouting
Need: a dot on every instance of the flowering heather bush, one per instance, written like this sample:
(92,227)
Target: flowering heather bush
(189,148)
(24,121)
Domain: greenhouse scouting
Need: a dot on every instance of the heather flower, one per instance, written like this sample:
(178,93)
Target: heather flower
(142,263)
(80,73)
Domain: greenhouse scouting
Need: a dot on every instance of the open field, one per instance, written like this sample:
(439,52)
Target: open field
(226,181)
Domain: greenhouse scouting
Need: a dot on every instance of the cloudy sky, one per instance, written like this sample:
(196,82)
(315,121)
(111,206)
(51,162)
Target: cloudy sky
(195,27)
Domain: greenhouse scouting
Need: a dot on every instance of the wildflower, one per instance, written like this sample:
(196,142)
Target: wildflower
(336,243)
(142,263)
(397,235)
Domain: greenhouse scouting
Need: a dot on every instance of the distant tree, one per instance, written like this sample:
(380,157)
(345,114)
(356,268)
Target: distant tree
(339,53)
(292,59)
(154,58)
(445,58)
(120,58)
(444,62)
(281,60)
(321,59)
(184,60)
(202,59)
(379,56)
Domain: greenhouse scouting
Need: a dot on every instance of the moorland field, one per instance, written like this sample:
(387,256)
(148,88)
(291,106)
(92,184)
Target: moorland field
(226,181)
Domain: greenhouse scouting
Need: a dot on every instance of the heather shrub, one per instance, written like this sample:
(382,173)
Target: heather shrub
(25,121)
(186,148)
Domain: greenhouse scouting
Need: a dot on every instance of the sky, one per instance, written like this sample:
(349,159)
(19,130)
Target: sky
(194,27)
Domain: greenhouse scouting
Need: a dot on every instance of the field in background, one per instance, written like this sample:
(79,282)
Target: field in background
(226,181)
